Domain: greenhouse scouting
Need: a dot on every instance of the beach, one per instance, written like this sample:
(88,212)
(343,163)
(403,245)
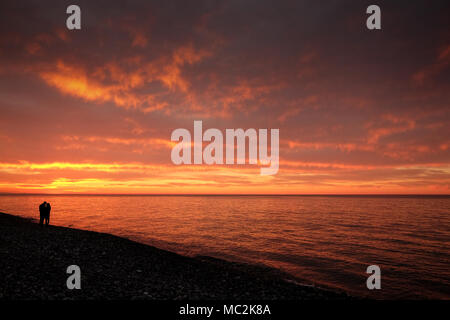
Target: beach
(34,260)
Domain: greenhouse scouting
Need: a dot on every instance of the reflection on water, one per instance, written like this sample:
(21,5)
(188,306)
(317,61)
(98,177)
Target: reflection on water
(325,240)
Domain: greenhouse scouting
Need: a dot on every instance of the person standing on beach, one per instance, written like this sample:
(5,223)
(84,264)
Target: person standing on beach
(47,214)
(44,213)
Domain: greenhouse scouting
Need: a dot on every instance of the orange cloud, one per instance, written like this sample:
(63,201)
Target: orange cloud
(294,177)
(112,83)
(391,126)
(73,81)
(328,145)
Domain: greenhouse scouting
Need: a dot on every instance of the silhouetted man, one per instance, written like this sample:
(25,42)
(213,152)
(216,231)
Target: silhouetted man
(44,212)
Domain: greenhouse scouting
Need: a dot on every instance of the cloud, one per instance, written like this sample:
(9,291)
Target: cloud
(440,65)
(112,83)
(97,106)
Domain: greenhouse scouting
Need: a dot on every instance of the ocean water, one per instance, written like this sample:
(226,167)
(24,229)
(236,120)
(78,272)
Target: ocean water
(327,241)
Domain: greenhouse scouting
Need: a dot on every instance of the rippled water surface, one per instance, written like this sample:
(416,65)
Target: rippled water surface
(323,240)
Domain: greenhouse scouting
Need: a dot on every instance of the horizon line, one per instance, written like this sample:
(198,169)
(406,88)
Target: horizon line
(221,194)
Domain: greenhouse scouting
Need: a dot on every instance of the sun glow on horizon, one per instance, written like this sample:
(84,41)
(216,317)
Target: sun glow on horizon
(139,178)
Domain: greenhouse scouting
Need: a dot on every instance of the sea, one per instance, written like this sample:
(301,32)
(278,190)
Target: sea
(323,241)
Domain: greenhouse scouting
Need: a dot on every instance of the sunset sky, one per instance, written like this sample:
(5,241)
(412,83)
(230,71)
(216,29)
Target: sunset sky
(92,111)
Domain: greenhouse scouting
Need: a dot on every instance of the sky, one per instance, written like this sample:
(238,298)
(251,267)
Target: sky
(92,111)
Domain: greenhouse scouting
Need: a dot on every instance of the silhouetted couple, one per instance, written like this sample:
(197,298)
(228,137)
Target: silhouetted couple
(44,210)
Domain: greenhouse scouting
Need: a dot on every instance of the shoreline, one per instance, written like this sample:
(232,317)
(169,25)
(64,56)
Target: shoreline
(34,259)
